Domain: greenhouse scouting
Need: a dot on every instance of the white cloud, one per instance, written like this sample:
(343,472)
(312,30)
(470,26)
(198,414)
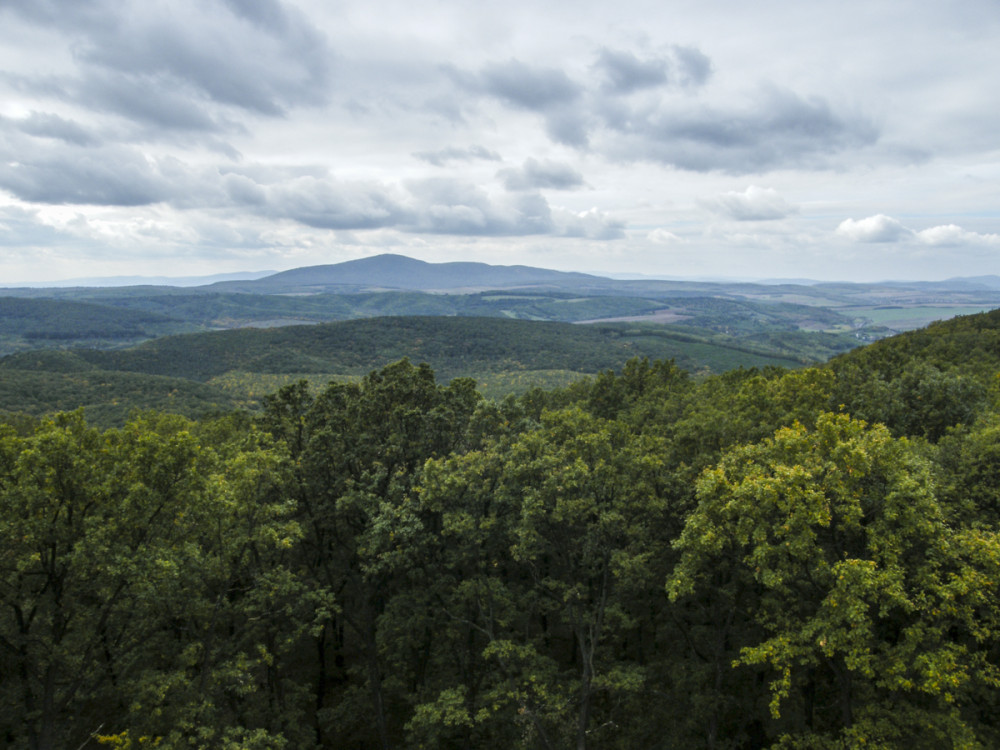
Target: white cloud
(591,224)
(878,228)
(882,228)
(951,235)
(662,237)
(753,204)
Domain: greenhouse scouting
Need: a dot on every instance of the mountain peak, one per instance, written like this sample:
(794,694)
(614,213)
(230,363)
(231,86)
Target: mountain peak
(391,271)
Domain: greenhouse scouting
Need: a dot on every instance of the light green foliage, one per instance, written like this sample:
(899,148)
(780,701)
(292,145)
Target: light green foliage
(866,595)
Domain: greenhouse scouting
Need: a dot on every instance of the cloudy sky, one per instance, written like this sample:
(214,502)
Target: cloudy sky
(854,140)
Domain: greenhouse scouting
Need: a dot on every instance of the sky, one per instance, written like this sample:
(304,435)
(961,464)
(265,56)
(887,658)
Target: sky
(857,140)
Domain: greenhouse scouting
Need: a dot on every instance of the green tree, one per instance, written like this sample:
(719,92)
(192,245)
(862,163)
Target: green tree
(135,586)
(876,615)
(550,537)
(358,449)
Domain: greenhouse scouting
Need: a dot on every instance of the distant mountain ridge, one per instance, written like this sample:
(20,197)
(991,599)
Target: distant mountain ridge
(400,272)
(393,272)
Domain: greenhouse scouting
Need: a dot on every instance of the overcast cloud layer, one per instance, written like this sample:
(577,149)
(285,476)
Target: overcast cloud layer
(856,140)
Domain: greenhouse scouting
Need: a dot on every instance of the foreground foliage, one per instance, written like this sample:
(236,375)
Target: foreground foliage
(644,559)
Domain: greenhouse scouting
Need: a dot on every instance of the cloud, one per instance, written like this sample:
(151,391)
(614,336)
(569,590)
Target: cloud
(693,66)
(174,65)
(528,87)
(329,204)
(662,237)
(878,228)
(591,224)
(547,91)
(623,72)
(20,228)
(448,206)
(57,173)
(654,108)
(442,206)
(950,235)
(534,175)
(47,125)
(882,228)
(172,108)
(107,175)
(779,130)
(753,204)
(442,156)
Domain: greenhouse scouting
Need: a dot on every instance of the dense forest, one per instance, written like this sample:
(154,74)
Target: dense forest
(203,373)
(776,558)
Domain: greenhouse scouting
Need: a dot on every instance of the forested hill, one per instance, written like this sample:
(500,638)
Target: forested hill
(453,346)
(970,344)
(195,374)
(791,559)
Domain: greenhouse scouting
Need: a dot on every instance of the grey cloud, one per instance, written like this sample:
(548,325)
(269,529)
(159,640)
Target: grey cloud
(547,91)
(252,72)
(129,96)
(445,206)
(776,128)
(244,191)
(528,87)
(781,130)
(121,176)
(85,13)
(113,176)
(325,204)
(693,66)
(260,57)
(442,156)
(536,174)
(267,14)
(21,228)
(569,126)
(625,73)
(48,125)
(430,206)
(60,173)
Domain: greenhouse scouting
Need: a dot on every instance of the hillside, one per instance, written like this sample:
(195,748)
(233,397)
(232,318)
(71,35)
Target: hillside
(36,323)
(238,366)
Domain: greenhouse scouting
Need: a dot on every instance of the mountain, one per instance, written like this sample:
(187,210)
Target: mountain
(399,272)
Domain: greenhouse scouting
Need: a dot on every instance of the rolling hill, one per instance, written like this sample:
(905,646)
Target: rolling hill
(202,372)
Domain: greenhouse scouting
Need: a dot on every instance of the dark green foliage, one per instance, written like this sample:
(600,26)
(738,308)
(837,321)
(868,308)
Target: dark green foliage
(452,345)
(922,382)
(35,323)
(159,374)
(107,397)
